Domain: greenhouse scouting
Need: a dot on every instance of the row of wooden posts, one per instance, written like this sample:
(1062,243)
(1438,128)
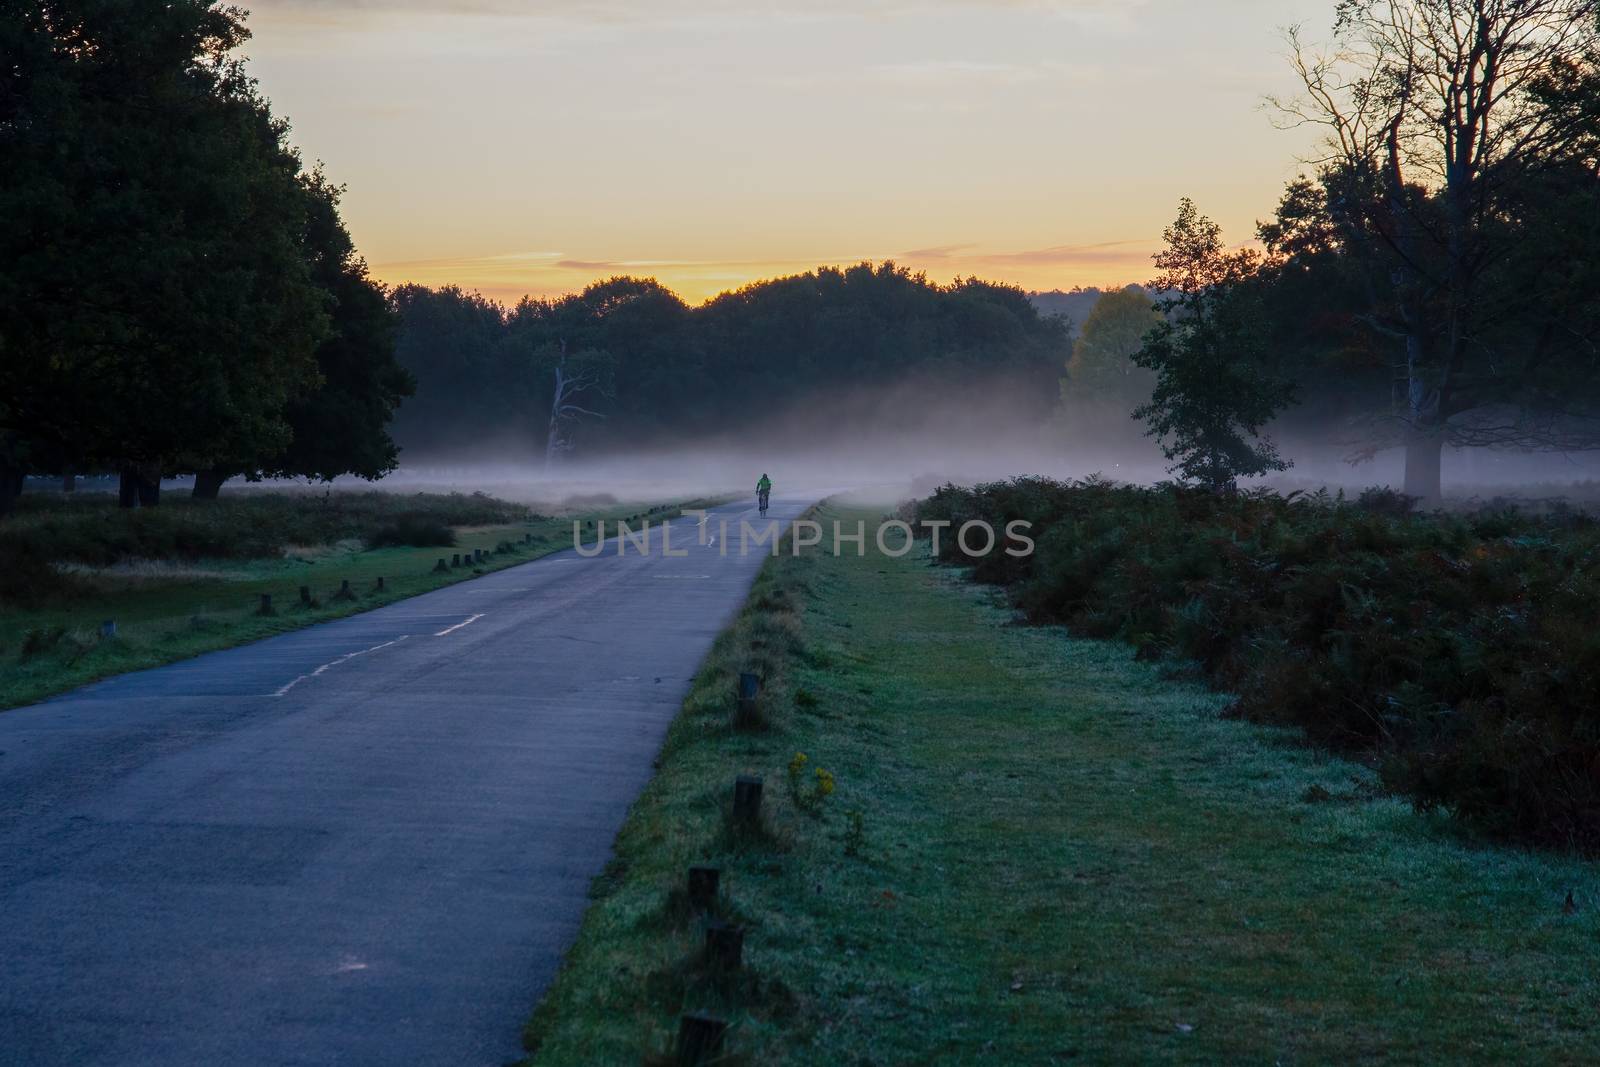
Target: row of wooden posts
(468,559)
(701,1035)
(457,559)
(306,600)
(108,628)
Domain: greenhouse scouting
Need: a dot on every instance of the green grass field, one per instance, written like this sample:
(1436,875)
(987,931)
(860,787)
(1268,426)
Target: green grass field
(1061,856)
(170,609)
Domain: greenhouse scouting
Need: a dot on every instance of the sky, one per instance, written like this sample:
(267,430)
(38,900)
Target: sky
(533,146)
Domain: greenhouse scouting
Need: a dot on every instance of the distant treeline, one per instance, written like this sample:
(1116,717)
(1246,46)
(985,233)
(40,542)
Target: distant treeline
(1074,305)
(634,363)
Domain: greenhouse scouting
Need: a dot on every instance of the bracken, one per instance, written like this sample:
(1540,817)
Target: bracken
(1459,650)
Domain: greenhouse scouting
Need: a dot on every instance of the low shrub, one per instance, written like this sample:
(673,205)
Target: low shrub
(28,579)
(1457,649)
(90,529)
(412,531)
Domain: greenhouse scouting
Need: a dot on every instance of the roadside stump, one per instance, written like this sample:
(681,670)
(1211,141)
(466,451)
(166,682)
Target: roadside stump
(724,945)
(747,800)
(747,712)
(703,883)
(699,1038)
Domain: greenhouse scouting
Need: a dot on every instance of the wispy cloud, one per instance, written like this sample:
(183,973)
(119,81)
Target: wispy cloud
(1104,252)
(936,252)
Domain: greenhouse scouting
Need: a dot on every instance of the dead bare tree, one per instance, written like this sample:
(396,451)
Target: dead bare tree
(1435,127)
(585,372)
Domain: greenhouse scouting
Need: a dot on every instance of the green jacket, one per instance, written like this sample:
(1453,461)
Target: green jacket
(764,485)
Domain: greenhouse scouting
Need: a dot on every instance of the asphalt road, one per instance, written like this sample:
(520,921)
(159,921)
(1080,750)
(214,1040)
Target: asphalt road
(364,842)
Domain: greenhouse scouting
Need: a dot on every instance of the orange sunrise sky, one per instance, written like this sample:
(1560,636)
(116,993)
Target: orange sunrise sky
(532,147)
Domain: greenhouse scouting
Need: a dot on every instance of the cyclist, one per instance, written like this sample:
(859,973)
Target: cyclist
(763,491)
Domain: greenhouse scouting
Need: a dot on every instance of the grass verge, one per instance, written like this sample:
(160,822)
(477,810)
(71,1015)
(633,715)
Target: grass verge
(172,608)
(1060,855)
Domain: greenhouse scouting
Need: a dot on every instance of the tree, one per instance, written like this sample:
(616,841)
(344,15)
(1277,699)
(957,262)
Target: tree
(628,341)
(1459,134)
(1102,366)
(1213,392)
(825,337)
(469,384)
(156,307)
(342,425)
(573,376)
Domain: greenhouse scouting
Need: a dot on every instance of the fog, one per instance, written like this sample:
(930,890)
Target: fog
(904,441)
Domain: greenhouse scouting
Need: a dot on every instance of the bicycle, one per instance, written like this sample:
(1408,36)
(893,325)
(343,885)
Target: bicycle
(761,501)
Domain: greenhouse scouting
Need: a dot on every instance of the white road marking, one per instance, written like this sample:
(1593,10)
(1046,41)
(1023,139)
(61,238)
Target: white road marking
(459,625)
(336,662)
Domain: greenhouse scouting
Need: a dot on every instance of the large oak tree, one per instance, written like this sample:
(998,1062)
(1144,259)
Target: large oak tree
(1460,195)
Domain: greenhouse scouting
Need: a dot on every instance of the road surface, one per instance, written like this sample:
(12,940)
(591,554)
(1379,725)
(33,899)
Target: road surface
(364,842)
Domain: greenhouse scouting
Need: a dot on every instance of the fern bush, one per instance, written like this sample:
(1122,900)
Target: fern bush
(1460,651)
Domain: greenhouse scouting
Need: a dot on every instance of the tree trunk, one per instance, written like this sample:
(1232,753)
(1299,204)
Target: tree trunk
(1424,452)
(149,489)
(128,487)
(208,483)
(11,475)
(552,439)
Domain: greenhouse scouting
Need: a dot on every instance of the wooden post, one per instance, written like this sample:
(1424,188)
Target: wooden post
(266,605)
(305,595)
(746,712)
(441,566)
(703,883)
(747,799)
(699,1038)
(455,559)
(380,583)
(724,945)
(108,628)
